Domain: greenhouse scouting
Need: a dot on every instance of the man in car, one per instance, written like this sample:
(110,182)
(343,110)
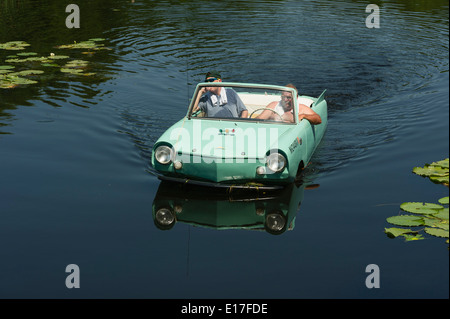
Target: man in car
(218,101)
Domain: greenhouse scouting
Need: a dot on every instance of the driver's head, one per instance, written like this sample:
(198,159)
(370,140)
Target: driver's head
(287,100)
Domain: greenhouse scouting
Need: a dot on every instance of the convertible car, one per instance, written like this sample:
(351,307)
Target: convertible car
(254,146)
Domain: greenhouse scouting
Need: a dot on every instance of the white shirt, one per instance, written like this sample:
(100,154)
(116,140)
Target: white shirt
(301,100)
(223,97)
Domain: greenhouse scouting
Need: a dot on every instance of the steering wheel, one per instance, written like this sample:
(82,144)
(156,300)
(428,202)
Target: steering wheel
(266,108)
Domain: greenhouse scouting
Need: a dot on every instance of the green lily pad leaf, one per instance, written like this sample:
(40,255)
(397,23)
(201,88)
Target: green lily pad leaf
(395,232)
(442,214)
(437,232)
(420,208)
(14,45)
(29,72)
(440,179)
(37,59)
(17,80)
(430,171)
(72,71)
(76,64)
(435,222)
(15,60)
(6,67)
(50,64)
(97,39)
(26,53)
(4,71)
(409,237)
(58,57)
(444,163)
(443,200)
(405,220)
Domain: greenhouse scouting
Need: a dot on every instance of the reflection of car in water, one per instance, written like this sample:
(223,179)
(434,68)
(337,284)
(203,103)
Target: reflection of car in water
(253,209)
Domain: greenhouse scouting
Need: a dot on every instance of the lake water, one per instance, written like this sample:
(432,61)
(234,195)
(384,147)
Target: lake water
(76,183)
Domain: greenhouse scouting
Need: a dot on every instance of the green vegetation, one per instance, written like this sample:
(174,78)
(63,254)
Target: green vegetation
(432,218)
(31,66)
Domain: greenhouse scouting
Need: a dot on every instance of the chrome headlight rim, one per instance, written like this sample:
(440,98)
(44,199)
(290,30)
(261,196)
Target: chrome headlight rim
(164,154)
(275,222)
(165,218)
(276,162)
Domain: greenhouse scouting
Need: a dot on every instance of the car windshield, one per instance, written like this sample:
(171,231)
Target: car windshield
(253,103)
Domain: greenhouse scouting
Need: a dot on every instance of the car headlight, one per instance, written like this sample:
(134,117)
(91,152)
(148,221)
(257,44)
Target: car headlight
(275,222)
(165,219)
(275,162)
(164,154)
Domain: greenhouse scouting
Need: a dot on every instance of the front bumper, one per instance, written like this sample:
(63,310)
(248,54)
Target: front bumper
(226,185)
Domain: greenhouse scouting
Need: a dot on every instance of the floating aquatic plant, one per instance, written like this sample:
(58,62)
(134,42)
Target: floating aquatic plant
(91,44)
(437,172)
(14,45)
(434,218)
(29,63)
(8,81)
(76,67)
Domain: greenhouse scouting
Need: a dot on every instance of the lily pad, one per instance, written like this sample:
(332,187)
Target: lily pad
(440,179)
(77,64)
(90,45)
(14,45)
(70,70)
(442,214)
(58,57)
(13,81)
(29,72)
(444,163)
(437,232)
(6,67)
(444,200)
(26,53)
(405,220)
(430,171)
(436,222)
(420,208)
(50,64)
(395,232)
(15,60)
(409,237)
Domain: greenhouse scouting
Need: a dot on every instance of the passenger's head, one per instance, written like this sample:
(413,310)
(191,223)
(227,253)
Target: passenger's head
(213,76)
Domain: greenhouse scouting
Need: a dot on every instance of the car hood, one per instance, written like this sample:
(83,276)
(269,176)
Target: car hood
(225,138)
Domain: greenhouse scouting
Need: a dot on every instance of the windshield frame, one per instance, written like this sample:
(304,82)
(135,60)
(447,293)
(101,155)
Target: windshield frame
(243,85)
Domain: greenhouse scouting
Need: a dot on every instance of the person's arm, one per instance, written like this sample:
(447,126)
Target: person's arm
(197,99)
(267,114)
(306,112)
(241,108)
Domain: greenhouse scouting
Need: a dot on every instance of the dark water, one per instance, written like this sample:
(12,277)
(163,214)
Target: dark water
(76,185)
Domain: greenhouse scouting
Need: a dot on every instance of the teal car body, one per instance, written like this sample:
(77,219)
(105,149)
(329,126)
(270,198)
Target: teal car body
(239,151)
